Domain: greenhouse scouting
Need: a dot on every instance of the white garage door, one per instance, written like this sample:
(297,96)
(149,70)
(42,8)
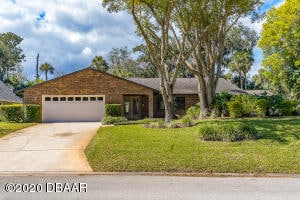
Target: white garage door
(73,108)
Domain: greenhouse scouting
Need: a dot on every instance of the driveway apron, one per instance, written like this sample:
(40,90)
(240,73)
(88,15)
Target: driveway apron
(53,147)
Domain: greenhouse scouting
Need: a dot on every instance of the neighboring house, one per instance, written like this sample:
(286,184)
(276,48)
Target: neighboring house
(7,96)
(82,95)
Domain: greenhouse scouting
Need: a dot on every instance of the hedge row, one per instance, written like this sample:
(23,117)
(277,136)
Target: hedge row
(20,113)
(246,105)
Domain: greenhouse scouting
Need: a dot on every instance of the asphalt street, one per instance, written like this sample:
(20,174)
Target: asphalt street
(113,187)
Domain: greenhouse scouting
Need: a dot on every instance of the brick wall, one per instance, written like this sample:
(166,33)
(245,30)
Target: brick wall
(86,82)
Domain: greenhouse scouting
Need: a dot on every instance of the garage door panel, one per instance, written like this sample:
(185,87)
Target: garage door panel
(83,111)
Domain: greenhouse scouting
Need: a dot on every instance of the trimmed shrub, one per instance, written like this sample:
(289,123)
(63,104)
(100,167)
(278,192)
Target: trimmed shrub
(286,107)
(261,107)
(228,132)
(32,113)
(194,111)
(107,120)
(11,113)
(235,109)
(113,110)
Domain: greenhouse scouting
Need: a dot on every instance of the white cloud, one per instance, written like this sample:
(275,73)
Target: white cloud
(87,51)
(66,33)
(72,32)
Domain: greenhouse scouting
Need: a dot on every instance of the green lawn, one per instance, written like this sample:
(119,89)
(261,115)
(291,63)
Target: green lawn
(134,148)
(6,128)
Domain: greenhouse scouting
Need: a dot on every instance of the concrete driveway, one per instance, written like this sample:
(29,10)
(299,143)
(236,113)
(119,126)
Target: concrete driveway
(55,147)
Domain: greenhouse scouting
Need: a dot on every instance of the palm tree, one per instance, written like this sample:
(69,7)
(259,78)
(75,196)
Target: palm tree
(240,63)
(99,63)
(47,68)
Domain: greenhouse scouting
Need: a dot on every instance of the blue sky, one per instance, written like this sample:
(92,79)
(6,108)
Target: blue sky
(69,33)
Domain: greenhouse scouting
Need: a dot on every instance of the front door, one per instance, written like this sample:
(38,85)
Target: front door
(132,108)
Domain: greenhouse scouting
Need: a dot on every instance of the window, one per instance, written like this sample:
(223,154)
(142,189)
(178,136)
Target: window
(70,98)
(100,98)
(47,98)
(85,98)
(160,103)
(77,98)
(55,99)
(179,103)
(63,98)
(92,98)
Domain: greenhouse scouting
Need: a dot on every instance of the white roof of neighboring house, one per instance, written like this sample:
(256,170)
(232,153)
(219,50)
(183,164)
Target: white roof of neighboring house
(8,95)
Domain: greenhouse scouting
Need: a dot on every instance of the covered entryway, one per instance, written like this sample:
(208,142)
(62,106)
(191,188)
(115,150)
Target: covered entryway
(132,107)
(73,108)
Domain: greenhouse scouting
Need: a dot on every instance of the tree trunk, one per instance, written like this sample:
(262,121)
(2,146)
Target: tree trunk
(241,81)
(202,93)
(167,94)
(245,81)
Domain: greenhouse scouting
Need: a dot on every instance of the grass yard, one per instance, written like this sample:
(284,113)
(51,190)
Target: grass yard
(130,148)
(6,128)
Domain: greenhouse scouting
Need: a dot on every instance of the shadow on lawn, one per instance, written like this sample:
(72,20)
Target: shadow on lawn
(281,130)
(277,129)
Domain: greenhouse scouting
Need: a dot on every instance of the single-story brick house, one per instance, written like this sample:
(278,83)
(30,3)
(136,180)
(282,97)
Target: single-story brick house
(82,95)
(7,96)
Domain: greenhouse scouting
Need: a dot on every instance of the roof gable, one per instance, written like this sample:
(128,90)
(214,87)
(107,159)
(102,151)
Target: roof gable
(7,94)
(81,71)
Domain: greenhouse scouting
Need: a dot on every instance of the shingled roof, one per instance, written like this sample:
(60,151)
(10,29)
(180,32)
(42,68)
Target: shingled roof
(189,85)
(7,95)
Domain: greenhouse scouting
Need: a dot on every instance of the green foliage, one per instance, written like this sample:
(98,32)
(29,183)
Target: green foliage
(32,113)
(173,124)
(194,111)
(113,110)
(220,104)
(286,107)
(235,109)
(8,127)
(280,43)
(248,103)
(227,132)
(273,104)
(132,148)
(157,124)
(107,120)
(297,110)
(99,63)
(261,107)
(187,121)
(47,68)
(11,113)
(240,63)
(11,53)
